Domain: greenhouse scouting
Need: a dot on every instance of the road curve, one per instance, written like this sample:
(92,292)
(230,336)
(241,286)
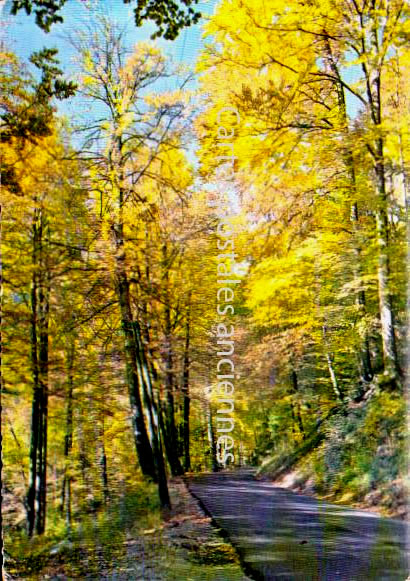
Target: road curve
(286,536)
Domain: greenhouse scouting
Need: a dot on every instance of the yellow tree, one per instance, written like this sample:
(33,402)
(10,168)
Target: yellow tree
(123,146)
(289,99)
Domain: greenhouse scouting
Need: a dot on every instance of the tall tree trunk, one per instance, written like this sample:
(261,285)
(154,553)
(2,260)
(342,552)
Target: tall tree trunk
(185,389)
(295,389)
(82,456)
(103,463)
(366,372)
(152,382)
(329,361)
(142,443)
(153,419)
(170,426)
(68,438)
(43,368)
(35,412)
(37,489)
(387,321)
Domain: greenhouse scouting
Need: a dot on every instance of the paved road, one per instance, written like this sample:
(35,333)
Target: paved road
(287,536)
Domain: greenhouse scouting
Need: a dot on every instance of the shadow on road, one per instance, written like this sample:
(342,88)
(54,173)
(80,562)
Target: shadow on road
(287,536)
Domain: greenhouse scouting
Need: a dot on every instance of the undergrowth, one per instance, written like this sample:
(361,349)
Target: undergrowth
(360,456)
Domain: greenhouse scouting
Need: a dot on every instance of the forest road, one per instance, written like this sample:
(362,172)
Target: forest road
(287,536)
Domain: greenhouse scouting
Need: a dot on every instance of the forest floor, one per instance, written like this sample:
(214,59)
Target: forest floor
(182,544)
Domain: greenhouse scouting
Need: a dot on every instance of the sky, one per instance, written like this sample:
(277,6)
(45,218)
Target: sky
(26,37)
(23,36)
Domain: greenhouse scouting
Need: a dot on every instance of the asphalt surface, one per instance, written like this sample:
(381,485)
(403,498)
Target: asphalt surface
(287,536)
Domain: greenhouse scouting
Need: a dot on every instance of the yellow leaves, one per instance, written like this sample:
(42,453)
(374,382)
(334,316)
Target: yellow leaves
(146,59)
(32,164)
(88,62)
(385,410)
(352,287)
(167,98)
(88,81)
(281,290)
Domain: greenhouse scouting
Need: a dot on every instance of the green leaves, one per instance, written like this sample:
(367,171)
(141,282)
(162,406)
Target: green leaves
(46,11)
(169,16)
(51,84)
(30,114)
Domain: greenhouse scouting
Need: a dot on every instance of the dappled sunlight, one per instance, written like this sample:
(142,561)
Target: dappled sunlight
(277,530)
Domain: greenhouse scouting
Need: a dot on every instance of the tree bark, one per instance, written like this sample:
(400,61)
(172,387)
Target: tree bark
(142,443)
(387,321)
(298,415)
(332,373)
(366,373)
(68,438)
(211,437)
(185,389)
(171,443)
(43,368)
(35,412)
(153,419)
(39,298)
(103,464)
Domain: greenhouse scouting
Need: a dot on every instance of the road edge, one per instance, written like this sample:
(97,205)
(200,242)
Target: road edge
(246,568)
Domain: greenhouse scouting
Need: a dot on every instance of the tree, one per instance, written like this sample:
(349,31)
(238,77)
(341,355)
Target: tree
(135,134)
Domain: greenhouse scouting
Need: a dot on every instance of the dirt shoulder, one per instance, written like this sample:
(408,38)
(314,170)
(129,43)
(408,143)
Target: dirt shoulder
(185,546)
(390,501)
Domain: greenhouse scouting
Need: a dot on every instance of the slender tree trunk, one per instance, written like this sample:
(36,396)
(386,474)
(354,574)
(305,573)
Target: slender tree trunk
(298,415)
(387,319)
(68,438)
(153,419)
(332,373)
(152,382)
(187,400)
(211,437)
(364,347)
(366,371)
(171,431)
(37,489)
(43,368)
(387,322)
(103,463)
(142,444)
(83,456)
(35,413)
